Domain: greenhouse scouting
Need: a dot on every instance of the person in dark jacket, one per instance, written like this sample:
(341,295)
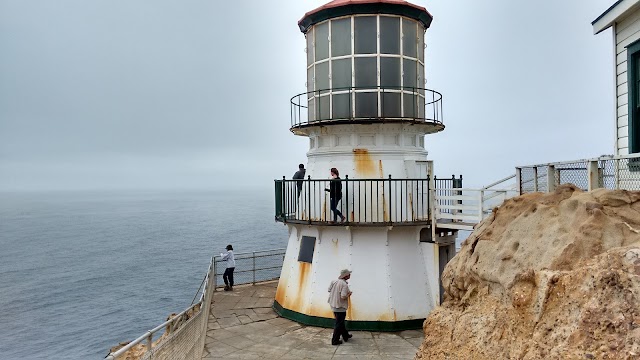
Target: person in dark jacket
(299,175)
(335,194)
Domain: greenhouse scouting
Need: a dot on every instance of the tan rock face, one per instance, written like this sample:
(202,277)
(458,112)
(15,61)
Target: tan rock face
(547,276)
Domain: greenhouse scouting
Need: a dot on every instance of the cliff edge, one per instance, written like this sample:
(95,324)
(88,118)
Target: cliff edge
(546,276)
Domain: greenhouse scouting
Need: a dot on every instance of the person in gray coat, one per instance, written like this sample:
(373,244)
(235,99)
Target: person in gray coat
(339,294)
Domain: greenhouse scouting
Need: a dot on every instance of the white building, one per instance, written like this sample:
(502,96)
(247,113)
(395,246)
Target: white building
(624,19)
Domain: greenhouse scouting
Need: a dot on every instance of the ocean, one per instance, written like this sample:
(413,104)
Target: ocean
(82,271)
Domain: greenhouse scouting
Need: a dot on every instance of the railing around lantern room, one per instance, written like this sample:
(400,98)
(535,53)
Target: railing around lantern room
(367,104)
(363,201)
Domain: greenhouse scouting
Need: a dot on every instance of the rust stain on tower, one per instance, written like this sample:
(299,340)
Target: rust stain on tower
(365,167)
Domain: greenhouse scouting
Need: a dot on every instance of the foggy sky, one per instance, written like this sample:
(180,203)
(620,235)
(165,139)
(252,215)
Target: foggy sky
(195,94)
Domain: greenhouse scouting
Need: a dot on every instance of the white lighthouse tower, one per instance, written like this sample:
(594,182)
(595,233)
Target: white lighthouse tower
(366,112)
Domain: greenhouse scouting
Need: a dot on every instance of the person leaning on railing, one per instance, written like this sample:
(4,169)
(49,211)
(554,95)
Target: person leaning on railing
(231,265)
(299,175)
(335,194)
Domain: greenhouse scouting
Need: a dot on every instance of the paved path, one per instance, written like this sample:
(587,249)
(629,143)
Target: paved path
(242,325)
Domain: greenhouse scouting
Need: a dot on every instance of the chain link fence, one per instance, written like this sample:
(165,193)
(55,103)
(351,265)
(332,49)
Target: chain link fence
(609,172)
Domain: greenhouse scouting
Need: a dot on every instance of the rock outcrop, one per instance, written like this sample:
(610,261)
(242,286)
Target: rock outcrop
(546,276)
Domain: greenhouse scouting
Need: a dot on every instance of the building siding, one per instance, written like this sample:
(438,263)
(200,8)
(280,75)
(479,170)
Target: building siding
(627,31)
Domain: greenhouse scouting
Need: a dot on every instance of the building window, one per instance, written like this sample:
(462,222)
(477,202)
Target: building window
(307,245)
(633,77)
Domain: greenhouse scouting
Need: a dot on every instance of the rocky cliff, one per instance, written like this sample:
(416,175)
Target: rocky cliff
(546,276)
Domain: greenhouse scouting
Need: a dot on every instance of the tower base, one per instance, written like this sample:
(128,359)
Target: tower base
(387,326)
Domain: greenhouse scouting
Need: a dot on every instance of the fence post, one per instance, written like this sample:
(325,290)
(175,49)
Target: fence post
(535,179)
(519,180)
(149,341)
(593,175)
(254,268)
(215,274)
(551,178)
(481,207)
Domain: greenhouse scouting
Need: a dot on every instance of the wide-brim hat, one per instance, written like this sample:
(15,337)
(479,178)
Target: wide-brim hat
(344,273)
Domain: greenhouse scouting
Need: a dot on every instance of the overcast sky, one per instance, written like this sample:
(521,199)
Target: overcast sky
(195,94)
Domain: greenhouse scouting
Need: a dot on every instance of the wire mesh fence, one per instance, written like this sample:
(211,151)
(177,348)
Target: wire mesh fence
(609,172)
(252,267)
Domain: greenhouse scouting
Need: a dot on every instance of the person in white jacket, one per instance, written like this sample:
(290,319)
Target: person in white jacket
(228,272)
(339,294)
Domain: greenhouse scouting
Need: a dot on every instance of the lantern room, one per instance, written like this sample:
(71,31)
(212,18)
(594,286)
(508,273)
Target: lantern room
(365,63)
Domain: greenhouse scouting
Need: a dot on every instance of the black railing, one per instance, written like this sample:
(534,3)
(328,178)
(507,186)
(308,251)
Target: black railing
(367,104)
(363,202)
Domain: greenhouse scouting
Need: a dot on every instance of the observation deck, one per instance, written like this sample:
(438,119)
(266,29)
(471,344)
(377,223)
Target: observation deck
(367,105)
(364,202)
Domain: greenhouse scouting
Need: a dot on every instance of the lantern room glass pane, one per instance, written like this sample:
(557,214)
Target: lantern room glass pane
(341,37)
(322,76)
(312,110)
(324,105)
(366,35)
(389,35)
(366,72)
(420,43)
(421,108)
(367,104)
(341,73)
(310,80)
(421,79)
(390,72)
(410,105)
(322,41)
(409,38)
(410,76)
(391,105)
(341,106)
(310,47)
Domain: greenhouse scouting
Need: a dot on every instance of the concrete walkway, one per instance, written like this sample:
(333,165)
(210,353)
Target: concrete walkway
(242,325)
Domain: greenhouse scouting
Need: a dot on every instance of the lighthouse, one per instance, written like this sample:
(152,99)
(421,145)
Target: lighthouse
(366,112)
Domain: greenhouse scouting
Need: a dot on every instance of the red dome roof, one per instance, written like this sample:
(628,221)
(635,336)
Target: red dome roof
(338,8)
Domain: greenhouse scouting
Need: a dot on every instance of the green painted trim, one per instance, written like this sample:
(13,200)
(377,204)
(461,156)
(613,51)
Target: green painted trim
(386,326)
(633,51)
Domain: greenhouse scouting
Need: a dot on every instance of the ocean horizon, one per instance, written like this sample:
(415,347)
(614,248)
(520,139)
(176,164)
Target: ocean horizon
(82,271)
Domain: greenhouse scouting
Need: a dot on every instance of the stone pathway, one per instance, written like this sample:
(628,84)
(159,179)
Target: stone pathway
(242,325)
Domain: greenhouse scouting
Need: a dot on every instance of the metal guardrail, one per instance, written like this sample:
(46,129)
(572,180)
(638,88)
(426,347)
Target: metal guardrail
(363,104)
(610,172)
(363,202)
(173,324)
(461,208)
(251,267)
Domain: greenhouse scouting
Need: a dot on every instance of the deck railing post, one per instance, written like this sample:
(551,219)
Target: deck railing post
(309,198)
(346,184)
(254,268)
(390,200)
